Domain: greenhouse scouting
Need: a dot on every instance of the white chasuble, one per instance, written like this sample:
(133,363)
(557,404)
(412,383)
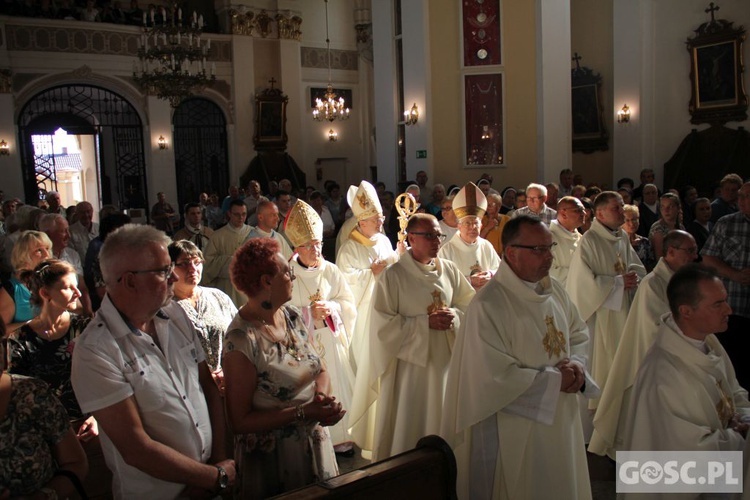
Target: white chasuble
(354,259)
(683,398)
(218,254)
(567,242)
(638,335)
(331,337)
(471,258)
(597,289)
(408,361)
(502,383)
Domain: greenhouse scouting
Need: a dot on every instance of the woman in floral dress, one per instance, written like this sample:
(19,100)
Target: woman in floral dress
(277,389)
(43,347)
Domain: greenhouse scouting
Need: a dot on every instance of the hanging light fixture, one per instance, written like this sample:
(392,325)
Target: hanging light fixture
(330,108)
(172,55)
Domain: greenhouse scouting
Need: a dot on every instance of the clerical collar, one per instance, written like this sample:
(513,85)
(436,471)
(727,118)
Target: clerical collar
(302,265)
(265,233)
(698,344)
(651,207)
(612,231)
(536,287)
(430,266)
(193,229)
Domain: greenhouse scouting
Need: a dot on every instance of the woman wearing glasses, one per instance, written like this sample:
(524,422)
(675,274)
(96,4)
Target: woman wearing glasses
(43,347)
(278,392)
(327,306)
(209,309)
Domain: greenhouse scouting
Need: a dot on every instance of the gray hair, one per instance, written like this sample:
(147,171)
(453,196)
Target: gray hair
(540,187)
(48,222)
(125,241)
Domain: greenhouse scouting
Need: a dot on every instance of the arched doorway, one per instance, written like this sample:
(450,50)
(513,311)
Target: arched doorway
(200,148)
(111,125)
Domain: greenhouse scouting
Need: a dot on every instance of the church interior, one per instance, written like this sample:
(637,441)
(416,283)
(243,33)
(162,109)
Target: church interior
(490,82)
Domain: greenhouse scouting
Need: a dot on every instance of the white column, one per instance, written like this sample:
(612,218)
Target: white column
(243,88)
(554,124)
(384,77)
(160,163)
(632,143)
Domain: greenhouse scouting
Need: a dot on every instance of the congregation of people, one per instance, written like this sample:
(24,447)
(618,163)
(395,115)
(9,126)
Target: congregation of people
(240,345)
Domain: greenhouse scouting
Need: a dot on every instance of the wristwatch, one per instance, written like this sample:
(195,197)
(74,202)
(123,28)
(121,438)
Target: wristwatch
(223,478)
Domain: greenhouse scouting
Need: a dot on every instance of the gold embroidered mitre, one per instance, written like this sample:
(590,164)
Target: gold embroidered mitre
(363,200)
(469,201)
(303,224)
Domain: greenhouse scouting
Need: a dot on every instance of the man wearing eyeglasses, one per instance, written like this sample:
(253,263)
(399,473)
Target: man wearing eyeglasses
(511,397)
(474,256)
(604,274)
(417,308)
(638,335)
(536,196)
(140,369)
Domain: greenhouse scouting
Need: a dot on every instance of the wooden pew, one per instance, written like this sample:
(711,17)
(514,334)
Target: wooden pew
(427,471)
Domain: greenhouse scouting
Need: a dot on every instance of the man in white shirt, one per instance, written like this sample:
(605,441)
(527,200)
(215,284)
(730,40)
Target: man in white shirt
(140,369)
(570,216)
(84,229)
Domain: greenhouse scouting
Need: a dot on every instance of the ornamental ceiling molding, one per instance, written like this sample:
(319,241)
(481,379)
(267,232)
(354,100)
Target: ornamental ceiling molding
(280,24)
(317,57)
(74,40)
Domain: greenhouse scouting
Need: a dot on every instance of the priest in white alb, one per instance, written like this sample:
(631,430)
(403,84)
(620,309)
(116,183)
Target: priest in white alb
(638,335)
(686,396)
(268,221)
(603,276)
(327,304)
(417,308)
(474,256)
(511,411)
(570,216)
(364,256)
(220,249)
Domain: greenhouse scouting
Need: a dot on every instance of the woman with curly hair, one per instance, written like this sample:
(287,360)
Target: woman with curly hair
(277,388)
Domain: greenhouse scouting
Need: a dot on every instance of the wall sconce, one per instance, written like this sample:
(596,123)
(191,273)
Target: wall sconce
(411,116)
(333,136)
(162,143)
(4,149)
(623,116)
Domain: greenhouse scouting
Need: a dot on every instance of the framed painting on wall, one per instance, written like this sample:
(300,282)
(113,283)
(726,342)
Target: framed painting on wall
(589,132)
(270,120)
(716,73)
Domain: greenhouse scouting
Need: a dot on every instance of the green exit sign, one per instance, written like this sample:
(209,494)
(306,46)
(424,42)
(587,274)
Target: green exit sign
(421,153)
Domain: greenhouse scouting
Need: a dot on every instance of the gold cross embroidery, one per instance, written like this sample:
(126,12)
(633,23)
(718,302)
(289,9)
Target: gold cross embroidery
(437,303)
(554,339)
(725,407)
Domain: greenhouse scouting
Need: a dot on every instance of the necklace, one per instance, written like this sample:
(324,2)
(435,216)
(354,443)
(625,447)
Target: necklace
(287,341)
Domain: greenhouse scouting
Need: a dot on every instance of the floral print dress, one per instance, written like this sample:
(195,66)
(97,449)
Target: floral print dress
(49,360)
(33,424)
(280,460)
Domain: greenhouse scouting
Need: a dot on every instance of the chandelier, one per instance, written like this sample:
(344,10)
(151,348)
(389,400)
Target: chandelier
(331,107)
(172,56)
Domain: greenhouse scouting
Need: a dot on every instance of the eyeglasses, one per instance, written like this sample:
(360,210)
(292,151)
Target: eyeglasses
(430,236)
(446,209)
(380,219)
(163,272)
(188,263)
(537,249)
(290,272)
